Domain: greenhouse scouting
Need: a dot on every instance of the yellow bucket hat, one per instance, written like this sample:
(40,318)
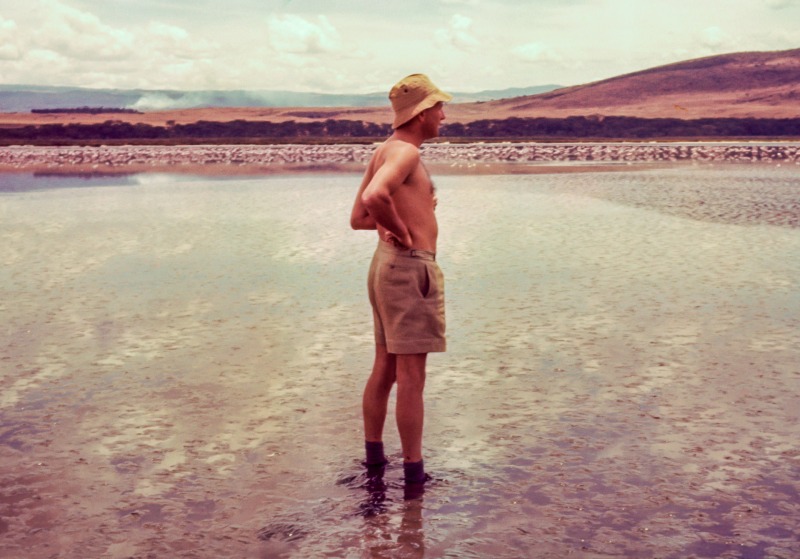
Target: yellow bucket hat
(412,95)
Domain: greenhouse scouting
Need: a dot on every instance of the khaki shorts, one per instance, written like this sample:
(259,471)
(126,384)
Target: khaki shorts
(406,290)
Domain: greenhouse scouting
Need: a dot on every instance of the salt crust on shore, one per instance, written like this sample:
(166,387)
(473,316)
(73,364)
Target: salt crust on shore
(264,157)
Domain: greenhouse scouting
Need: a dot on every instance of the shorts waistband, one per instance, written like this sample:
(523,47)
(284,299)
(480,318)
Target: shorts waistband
(409,253)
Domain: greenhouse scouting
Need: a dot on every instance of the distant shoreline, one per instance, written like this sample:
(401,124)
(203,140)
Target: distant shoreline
(442,157)
(134,129)
(356,141)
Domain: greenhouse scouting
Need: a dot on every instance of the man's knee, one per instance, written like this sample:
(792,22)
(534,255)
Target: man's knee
(411,369)
(385,363)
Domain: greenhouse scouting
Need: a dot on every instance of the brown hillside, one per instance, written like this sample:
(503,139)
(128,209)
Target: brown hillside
(757,84)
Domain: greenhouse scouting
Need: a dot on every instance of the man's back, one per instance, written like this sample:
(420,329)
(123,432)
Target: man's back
(413,198)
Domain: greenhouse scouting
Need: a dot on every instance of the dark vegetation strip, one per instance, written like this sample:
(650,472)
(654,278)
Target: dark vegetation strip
(87,111)
(349,131)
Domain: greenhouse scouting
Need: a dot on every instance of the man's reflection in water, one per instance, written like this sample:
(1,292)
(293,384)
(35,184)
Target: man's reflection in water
(375,503)
(384,538)
(411,536)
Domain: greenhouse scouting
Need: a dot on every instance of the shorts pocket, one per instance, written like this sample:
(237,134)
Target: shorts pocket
(425,283)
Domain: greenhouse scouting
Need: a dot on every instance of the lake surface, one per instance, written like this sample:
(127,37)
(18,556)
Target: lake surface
(183,357)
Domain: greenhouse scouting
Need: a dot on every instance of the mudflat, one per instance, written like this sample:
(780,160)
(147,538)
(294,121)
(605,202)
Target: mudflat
(182,359)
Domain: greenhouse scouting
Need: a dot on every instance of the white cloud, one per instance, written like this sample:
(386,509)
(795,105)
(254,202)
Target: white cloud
(781,39)
(168,32)
(170,41)
(458,34)
(780,4)
(43,63)
(714,38)
(536,52)
(295,35)
(68,46)
(9,50)
(342,46)
(81,35)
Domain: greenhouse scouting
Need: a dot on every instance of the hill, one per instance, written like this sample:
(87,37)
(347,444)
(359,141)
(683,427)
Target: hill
(739,85)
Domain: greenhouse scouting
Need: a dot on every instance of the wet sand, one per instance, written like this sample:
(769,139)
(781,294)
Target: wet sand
(182,359)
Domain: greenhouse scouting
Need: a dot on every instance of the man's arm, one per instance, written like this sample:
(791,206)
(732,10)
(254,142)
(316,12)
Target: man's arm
(377,197)
(359,216)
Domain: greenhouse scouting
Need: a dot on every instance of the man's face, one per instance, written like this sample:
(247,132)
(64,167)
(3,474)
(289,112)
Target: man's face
(433,118)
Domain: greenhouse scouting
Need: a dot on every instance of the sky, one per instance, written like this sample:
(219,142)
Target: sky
(364,46)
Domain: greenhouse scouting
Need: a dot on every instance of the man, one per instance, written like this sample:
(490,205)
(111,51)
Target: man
(406,286)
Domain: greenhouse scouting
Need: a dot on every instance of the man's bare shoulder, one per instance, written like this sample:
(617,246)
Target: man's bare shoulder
(397,152)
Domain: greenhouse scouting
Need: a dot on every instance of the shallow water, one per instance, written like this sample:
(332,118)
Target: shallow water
(182,361)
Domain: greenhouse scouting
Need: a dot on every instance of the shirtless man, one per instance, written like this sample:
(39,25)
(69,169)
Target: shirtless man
(406,286)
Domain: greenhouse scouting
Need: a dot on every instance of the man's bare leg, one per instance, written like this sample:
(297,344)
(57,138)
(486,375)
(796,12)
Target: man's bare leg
(410,411)
(375,402)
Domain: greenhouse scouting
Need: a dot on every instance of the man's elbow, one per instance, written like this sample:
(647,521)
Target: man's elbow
(367,200)
(373,200)
(362,222)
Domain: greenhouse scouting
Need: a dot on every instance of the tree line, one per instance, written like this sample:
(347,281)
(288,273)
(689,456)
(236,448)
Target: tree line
(87,110)
(577,127)
(626,127)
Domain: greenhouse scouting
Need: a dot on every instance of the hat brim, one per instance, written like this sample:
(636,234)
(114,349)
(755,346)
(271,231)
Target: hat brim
(406,114)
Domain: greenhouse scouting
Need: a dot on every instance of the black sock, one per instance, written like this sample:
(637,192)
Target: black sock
(414,472)
(375,454)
